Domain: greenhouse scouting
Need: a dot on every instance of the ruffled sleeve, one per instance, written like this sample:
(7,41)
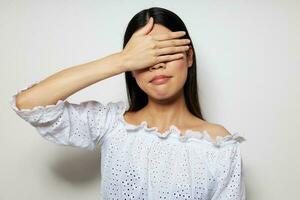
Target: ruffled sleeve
(226,165)
(82,125)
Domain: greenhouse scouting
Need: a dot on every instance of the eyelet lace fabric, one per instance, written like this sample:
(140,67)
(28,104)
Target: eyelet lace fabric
(187,136)
(139,162)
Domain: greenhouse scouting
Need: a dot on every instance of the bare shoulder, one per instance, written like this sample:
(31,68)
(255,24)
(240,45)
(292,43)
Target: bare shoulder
(218,130)
(215,130)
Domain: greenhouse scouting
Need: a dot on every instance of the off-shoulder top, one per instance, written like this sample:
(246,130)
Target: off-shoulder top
(139,162)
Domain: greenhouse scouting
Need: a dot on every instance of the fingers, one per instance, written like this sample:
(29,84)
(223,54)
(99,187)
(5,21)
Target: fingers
(171,50)
(167,58)
(168,36)
(170,43)
(172,46)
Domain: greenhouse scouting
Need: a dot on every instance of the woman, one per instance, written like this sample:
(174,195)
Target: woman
(159,147)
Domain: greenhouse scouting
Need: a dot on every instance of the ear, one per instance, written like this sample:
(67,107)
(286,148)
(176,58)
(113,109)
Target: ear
(189,58)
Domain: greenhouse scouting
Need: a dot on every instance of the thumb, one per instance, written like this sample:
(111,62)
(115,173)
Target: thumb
(147,28)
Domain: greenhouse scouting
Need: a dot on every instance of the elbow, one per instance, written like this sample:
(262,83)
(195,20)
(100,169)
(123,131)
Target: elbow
(20,101)
(23,101)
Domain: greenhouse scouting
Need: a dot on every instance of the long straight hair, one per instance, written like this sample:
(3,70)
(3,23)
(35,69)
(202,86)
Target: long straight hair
(137,98)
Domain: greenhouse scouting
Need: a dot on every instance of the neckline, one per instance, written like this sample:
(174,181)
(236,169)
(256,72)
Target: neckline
(171,128)
(173,131)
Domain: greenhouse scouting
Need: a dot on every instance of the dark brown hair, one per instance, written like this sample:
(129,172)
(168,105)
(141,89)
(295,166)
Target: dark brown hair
(137,98)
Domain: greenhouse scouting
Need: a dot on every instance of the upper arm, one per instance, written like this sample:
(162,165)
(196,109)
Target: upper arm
(228,173)
(80,125)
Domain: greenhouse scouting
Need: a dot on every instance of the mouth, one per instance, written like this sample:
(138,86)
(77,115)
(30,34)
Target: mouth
(160,80)
(159,77)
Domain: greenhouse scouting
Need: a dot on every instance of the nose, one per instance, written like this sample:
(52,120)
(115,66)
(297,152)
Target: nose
(159,65)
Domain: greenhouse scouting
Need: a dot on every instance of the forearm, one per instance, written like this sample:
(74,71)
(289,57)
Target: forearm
(68,81)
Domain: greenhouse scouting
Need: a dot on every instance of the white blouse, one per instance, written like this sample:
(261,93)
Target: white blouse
(139,162)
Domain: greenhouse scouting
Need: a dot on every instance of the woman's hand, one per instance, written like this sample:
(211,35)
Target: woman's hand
(144,50)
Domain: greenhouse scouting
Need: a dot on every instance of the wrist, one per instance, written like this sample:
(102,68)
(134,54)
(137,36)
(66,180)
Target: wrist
(123,61)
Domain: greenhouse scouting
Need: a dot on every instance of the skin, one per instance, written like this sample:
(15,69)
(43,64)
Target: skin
(166,105)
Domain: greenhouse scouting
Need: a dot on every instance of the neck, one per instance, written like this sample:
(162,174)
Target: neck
(164,113)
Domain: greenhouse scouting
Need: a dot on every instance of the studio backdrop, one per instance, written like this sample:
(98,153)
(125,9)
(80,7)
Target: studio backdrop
(248,71)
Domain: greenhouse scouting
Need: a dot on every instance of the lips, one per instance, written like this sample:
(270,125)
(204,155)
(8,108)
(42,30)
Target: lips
(159,77)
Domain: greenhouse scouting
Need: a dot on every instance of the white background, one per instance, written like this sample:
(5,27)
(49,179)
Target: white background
(248,75)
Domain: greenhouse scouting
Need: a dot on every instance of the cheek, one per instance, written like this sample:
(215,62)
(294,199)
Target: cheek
(179,64)
(178,68)
(140,79)
(139,73)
